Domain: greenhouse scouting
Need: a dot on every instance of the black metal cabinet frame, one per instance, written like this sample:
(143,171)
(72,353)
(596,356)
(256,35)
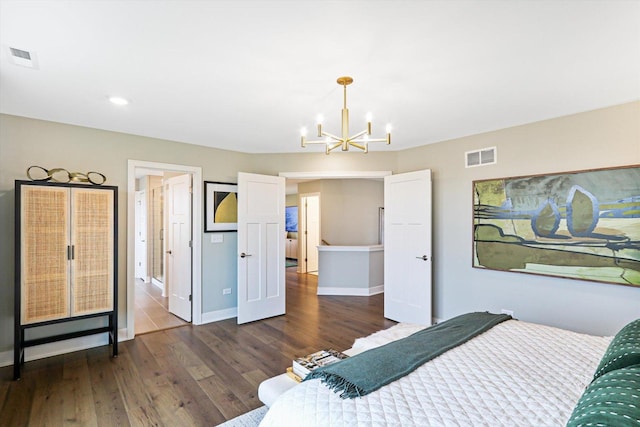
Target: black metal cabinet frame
(20,343)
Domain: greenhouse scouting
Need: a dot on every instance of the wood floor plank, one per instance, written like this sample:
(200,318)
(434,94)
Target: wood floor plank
(172,386)
(48,398)
(140,408)
(17,405)
(78,405)
(224,399)
(231,393)
(192,363)
(4,390)
(187,376)
(109,404)
(155,373)
(255,377)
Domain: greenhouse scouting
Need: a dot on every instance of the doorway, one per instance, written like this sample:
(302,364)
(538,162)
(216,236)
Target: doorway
(162,252)
(157,265)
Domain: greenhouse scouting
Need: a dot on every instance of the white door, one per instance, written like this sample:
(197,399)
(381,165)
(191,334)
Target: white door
(261,247)
(178,246)
(407,247)
(141,236)
(312,232)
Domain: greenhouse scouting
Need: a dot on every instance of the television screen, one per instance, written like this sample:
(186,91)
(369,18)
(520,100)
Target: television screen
(291,218)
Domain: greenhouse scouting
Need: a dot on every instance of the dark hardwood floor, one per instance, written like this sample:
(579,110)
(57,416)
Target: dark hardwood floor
(190,375)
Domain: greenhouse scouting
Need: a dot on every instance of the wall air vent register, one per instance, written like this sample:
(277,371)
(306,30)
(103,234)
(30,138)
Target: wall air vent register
(481,157)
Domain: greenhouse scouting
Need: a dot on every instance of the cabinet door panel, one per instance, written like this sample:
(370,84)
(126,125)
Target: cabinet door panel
(92,240)
(45,268)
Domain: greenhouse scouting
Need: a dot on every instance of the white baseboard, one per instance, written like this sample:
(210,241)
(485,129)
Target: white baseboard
(358,292)
(61,347)
(215,316)
(123,335)
(158,285)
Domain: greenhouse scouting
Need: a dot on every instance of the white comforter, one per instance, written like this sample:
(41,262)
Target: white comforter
(516,374)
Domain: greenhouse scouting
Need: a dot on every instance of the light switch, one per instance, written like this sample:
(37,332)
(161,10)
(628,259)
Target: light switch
(217,238)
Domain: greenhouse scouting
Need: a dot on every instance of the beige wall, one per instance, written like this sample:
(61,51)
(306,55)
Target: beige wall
(348,209)
(25,142)
(272,164)
(291,200)
(596,139)
(601,138)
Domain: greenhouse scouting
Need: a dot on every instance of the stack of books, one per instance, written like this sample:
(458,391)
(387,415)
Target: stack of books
(303,365)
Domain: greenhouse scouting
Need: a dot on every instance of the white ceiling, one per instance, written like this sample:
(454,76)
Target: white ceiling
(247,75)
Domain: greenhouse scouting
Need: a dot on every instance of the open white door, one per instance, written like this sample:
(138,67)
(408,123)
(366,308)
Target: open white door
(407,247)
(178,272)
(141,236)
(261,249)
(311,232)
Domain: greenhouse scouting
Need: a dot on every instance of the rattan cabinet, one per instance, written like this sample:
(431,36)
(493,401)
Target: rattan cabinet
(66,262)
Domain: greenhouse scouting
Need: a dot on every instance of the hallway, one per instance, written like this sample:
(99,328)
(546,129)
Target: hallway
(152,310)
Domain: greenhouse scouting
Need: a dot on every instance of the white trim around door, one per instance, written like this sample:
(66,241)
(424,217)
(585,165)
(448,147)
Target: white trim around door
(196,263)
(336,175)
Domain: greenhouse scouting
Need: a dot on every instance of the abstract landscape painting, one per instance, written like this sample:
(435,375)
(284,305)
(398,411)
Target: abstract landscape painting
(580,225)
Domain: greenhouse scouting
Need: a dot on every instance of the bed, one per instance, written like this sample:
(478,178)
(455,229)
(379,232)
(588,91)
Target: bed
(515,374)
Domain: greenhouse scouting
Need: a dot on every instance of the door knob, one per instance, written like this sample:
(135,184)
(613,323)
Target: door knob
(169,252)
(423,257)
(242,255)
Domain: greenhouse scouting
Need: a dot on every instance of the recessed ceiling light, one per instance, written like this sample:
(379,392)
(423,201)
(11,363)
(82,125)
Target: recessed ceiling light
(118,100)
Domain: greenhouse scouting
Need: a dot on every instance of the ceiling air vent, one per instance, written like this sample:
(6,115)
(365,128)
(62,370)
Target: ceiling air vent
(23,57)
(482,157)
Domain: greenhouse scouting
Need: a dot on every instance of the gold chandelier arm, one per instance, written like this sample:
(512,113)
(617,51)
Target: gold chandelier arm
(364,147)
(332,136)
(369,140)
(331,147)
(386,140)
(315,142)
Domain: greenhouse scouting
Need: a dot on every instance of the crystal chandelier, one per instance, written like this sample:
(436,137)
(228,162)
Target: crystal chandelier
(360,140)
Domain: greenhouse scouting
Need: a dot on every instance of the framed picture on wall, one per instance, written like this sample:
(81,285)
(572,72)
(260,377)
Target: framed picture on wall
(579,225)
(220,207)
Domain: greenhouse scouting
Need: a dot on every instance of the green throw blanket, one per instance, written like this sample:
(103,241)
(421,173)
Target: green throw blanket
(368,371)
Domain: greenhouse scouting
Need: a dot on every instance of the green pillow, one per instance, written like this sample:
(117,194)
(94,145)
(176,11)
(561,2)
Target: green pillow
(611,400)
(623,351)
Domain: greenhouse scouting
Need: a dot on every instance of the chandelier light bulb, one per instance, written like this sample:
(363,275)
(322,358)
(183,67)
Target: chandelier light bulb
(303,132)
(369,117)
(319,119)
(388,128)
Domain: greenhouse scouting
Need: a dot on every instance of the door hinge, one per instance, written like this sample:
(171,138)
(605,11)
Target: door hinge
(190,244)
(189,298)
